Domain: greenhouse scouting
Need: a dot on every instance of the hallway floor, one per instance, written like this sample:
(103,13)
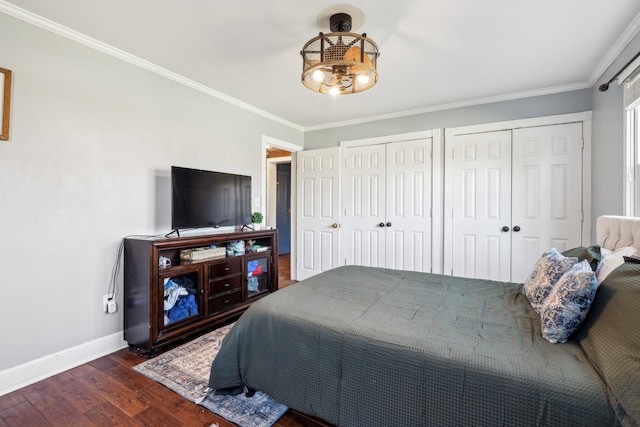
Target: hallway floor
(284,271)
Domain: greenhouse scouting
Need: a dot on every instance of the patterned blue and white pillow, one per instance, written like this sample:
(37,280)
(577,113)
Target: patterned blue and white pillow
(547,271)
(568,303)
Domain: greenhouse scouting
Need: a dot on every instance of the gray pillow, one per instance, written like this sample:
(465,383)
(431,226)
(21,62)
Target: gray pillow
(610,337)
(591,254)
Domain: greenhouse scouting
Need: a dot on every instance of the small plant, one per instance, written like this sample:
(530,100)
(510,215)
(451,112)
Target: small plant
(256,218)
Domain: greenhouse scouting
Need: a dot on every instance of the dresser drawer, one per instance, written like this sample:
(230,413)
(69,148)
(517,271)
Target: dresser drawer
(224,301)
(225,284)
(225,268)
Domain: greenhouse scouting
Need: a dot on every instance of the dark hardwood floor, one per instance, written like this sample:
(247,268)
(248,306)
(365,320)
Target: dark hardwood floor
(284,271)
(108,392)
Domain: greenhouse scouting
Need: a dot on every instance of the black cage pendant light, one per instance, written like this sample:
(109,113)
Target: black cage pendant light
(340,62)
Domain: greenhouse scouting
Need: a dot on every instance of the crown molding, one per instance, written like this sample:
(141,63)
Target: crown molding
(105,48)
(450,106)
(615,51)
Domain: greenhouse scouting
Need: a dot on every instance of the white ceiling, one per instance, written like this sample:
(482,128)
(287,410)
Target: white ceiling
(435,54)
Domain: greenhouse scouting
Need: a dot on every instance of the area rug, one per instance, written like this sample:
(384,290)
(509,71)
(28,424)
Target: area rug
(186,369)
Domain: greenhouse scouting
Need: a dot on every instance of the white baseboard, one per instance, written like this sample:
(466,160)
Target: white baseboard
(28,373)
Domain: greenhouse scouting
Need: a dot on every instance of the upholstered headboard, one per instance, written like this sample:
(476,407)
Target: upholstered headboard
(614,232)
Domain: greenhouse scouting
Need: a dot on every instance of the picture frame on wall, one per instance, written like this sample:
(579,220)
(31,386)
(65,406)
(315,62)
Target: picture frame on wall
(5,103)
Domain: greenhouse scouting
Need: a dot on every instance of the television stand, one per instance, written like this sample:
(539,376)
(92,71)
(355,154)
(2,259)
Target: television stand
(215,290)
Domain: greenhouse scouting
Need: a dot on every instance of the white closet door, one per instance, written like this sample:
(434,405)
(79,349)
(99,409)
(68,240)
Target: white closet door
(547,193)
(318,204)
(481,168)
(365,205)
(408,210)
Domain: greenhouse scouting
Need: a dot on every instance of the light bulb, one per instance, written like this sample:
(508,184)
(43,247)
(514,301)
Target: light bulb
(334,90)
(363,78)
(318,75)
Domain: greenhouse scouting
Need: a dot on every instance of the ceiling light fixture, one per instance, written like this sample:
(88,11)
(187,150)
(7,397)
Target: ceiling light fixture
(340,63)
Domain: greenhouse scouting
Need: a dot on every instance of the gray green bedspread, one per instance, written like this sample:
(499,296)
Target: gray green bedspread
(361,346)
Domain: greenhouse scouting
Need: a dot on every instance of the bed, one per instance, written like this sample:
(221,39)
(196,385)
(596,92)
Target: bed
(363,346)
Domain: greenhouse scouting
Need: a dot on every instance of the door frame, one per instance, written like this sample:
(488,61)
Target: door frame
(268,141)
(272,193)
(449,134)
(271,180)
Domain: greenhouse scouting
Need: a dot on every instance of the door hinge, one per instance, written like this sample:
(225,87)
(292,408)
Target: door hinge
(582,143)
(582,216)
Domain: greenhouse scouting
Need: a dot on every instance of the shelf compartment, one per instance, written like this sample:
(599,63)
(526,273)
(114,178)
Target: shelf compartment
(258,277)
(181,299)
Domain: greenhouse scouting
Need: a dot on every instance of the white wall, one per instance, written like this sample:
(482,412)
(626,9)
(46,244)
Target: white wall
(88,162)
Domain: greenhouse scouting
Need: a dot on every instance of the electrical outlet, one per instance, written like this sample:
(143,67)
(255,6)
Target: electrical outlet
(106,299)
(112,306)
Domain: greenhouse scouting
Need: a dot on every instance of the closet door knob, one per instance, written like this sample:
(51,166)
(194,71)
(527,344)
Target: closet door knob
(381,224)
(388,224)
(334,225)
(505,228)
(516,228)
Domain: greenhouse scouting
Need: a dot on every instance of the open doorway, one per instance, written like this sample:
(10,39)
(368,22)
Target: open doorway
(279,207)
(279,203)
(283,207)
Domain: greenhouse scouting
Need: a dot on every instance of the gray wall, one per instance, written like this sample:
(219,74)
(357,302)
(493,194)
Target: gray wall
(608,137)
(88,162)
(567,102)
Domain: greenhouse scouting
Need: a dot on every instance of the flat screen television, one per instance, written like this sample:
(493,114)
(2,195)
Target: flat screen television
(201,198)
